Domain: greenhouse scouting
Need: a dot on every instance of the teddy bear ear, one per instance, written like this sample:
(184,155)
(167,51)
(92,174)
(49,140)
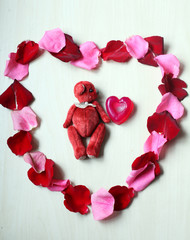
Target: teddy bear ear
(79,89)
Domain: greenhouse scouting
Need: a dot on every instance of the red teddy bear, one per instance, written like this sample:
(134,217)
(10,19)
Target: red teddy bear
(85,117)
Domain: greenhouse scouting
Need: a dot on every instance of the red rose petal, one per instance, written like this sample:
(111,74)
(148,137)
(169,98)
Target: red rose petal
(26,52)
(16,97)
(44,178)
(20,143)
(164,123)
(173,85)
(141,161)
(122,196)
(156,47)
(115,50)
(77,198)
(148,59)
(70,52)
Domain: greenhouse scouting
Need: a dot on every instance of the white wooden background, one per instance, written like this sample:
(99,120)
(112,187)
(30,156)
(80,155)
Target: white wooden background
(162,211)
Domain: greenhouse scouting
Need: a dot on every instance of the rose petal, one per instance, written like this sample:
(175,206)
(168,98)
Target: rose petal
(53,40)
(90,57)
(44,178)
(142,160)
(154,143)
(168,63)
(173,85)
(26,52)
(24,119)
(156,47)
(77,199)
(141,178)
(37,160)
(20,143)
(102,204)
(16,97)
(116,51)
(15,70)
(59,185)
(137,46)
(171,104)
(163,123)
(122,196)
(70,52)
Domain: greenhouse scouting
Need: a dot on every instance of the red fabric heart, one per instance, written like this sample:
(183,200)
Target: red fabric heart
(116,51)
(26,52)
(16,97)
(119,110)
(70,52)
(20,143)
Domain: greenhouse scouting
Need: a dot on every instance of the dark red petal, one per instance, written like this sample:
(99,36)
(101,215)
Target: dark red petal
(173,85)
(163,123)
(70,52)
(20,143)
(16,97)
(77,199)
(122,196)
(115,50)
(141,161)
(44,178)
(26,52)
(157,168)
(148,59)
(156,44)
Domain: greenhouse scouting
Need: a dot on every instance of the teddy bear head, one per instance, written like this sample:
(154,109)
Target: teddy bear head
(85,91)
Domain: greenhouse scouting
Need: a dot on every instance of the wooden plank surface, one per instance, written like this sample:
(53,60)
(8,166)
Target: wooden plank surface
(162,211)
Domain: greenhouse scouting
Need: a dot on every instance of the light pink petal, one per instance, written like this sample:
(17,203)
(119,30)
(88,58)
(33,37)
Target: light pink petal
(90,53)
(102,204)
(37,160)
(168,63)
(59,185)
(15,70)
(154,143)
(137,46)
(171,104)
(141,178)
(53,40)
(24,119)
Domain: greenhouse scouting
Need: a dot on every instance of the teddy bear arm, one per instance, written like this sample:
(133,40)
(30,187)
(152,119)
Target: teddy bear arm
(70,113)
(102,113)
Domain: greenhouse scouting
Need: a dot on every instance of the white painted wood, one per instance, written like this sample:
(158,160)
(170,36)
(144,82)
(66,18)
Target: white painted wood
(161,211)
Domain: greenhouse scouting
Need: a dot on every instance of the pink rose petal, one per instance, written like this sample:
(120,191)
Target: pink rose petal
(102,204)
(154,143)
(37,160)
(137,46)
(168,63)
(90,57)
(15,70)
(171,104)
(24,119)
(53,40)
(141,178)
(59,185)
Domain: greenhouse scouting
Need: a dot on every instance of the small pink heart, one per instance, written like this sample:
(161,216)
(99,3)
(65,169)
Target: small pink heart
(119,110)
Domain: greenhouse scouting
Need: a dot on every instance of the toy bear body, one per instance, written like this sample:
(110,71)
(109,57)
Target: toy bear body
(84,120)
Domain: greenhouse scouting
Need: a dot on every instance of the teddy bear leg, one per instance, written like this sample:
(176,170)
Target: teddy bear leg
(96,140)
(76,141)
